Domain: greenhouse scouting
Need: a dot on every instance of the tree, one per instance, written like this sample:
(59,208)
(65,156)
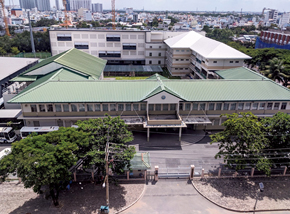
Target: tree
(206,29)
(222,35)
(43,161)
(277,132)
(242,141)
(2,51)
(100,130)
(15,51)
(155,22)
(275,71)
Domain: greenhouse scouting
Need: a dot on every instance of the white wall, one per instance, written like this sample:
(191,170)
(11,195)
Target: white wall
(157,99)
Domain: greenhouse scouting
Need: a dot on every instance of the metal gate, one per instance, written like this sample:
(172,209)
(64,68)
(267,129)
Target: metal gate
(180,172)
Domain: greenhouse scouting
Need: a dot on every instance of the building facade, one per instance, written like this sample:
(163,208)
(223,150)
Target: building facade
(43,5)
(117,47)
(27,4)
(97,7)
(57,4)
(74,5)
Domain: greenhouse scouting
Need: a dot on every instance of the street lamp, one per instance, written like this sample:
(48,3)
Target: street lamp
(261,186)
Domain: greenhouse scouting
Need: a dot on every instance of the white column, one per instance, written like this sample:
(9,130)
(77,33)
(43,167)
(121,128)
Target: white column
(148,134)
(180,129)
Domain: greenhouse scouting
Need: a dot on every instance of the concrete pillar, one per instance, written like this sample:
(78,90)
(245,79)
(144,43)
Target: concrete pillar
(75,176)
(235,174)
(252,172)
(148,134)
(180,130)
(285,169)
(191,171)
(128,175)
(145,175)
(93,177)
(156,173)
(202,173)
(220,170)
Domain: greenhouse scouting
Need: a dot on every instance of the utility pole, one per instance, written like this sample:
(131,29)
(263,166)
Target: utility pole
(107,173)
(31,35)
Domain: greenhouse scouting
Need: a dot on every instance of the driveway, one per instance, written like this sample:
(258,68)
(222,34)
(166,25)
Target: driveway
(176,196)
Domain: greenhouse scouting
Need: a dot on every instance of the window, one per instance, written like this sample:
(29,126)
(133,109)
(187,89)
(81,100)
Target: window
(151,107)
(187,106)
(276,106)
(97,107)
(113,38)
(176,59)
(187,59)
(112,107)
(115,54)
(128,107)
(181,59)
(36,123)
(165,107)
(81,45)
(150,62)
(82,107)
(269,106)
(195,106)
(283,106)
(143,107)
(63,37)
(241,106)
(214,61)
(74,107)
(129,46)
(262,106)
(65,107)
(218,106)
(159,46)
(33,108)
(58,108)
(177,50)
(226,106)
(233,106)
(136,107)
(182,50)
(248,106)
(159,62)
(231,61)
(90,107)
(255,106)
(172,107)
(211,106)
(159,54)
(237,61)
(176,68)
(150,46)
(41,108)
(150,54)
(216,122)
(49,108)
(202,106)
(158,107)
(105,107)
(181,106)
(120,107)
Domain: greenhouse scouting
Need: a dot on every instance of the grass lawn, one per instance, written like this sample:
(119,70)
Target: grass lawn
(41,55)
(127,78)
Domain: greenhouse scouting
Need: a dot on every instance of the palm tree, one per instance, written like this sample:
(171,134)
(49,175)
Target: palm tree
(276,71)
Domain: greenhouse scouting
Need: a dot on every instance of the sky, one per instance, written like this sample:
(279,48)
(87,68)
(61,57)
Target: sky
(200,5)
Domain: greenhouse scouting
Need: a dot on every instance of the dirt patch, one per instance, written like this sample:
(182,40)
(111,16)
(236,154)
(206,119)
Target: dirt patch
(242,194)
(81,198)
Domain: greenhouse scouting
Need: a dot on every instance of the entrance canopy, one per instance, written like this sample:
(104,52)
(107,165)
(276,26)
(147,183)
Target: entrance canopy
(196,120)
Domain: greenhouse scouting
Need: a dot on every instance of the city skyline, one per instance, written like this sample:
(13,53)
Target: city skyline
(186,5)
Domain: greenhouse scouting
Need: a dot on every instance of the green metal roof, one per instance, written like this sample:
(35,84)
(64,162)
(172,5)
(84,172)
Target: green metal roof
(54,91)
(133,68)
(155,77)
(24,79)
(73,59)
(239,74)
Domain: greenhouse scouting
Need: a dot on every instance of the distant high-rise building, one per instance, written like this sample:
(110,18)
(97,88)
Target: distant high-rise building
(43,5)
(57,4)
(97,7)
(74,5)
(135,17)
(27,4)
(129,10)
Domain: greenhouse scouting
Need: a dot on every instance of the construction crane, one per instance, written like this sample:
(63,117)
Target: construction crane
(65,14)
(113,15)
(4,17)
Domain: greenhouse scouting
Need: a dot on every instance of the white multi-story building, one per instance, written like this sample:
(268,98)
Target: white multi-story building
(192,53)
(129,10)
(285,19)
(97,7)
(182,53)
(118,47)
(43,5)
(77,4)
